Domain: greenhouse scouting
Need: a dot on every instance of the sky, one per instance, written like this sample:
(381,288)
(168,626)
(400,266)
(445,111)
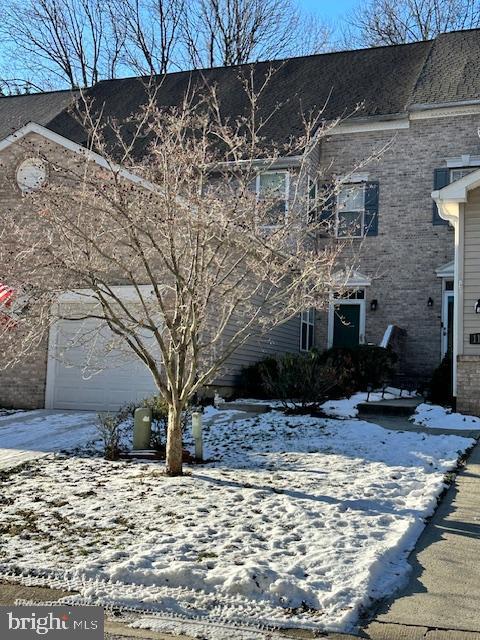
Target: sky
(330,9)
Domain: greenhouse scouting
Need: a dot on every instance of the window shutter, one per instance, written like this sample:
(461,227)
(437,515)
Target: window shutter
(327,212)
(371,209)
(441,177)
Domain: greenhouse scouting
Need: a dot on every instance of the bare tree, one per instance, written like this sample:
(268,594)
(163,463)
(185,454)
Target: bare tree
(151,33)
(208,262)
(386,22)
(60,42)
(230,32)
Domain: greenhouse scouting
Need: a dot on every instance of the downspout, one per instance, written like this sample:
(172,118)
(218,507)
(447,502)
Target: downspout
(453,212)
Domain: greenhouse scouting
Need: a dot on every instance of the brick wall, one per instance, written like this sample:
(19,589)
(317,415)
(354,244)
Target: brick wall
(468,376)
(402,259)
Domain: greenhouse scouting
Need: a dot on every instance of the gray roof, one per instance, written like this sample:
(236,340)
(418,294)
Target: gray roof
(383,80)
(450,72)
(16,111)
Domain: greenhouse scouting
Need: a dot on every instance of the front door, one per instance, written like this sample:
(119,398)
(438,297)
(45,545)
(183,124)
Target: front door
(447,322)
(346,327)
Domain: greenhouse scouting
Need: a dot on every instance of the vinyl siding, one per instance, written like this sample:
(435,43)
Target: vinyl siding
(283,339)
(471,321)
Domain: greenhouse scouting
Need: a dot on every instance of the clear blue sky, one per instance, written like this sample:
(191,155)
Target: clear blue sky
(330,9)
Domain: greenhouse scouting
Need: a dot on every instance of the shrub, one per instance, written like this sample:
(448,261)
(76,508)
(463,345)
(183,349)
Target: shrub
(358,368)
(441,384)
(299,379)
(111,430)
(252,379)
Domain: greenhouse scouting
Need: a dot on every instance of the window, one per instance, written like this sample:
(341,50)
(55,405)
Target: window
(457,174)
(351,211)
(307,327)
(272,186)
(312,200)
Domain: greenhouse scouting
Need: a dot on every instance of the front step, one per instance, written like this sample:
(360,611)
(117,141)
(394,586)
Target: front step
(402,407)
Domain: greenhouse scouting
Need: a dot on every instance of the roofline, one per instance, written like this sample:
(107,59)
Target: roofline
(39,93)
(89,155)
(267,61)
(426,106)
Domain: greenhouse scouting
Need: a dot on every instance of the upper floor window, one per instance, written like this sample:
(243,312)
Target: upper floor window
(350,221)
(307,329)
(273,187)
(457,174)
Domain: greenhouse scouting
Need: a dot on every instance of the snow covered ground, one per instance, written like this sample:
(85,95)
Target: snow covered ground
(296,521)
(436,417)
(33,434)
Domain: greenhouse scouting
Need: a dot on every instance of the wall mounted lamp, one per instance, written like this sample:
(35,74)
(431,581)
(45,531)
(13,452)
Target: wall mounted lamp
(430,302)
(374,305)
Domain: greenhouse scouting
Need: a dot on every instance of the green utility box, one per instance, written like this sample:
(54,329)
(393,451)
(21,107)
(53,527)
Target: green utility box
(142,429)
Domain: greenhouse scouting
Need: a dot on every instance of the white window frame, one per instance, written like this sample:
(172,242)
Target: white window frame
(461,170)
(311,202)
(337,211)
(284,172)
(310,322)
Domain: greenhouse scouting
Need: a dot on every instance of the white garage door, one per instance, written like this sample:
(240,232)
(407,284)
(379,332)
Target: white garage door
(89,370)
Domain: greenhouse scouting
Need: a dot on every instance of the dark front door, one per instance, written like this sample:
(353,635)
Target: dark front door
(346,327)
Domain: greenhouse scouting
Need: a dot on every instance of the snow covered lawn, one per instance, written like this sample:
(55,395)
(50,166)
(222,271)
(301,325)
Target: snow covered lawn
(436,417)
(28,435)
(299,521)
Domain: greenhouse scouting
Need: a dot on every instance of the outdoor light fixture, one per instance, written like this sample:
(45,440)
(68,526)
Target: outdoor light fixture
(374,305)
(477,306)
(430,302)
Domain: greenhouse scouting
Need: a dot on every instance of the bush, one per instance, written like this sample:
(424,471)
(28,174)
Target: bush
(111,428)
(299,379)
(359,368)
(441,384)
(252,379)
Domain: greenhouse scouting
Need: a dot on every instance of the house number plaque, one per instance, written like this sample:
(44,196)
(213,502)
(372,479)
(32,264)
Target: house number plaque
(475,338)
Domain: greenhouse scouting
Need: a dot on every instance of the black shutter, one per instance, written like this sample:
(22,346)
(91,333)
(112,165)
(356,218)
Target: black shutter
(441,177)
(371,209)
(328,200)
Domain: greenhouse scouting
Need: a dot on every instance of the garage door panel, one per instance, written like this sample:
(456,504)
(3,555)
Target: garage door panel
(91,370)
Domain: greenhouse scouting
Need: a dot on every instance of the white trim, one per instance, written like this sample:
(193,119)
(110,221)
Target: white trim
(361,211)
(459,162)
(125,292)
(310,324)
(51,363)
(347,126)
(449,197)
(354,280)
(446,294)
(286,173)
(331,317)
(90,156)
(446,271)
(426,112)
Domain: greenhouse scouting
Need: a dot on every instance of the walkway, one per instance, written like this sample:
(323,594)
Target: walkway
(442,599)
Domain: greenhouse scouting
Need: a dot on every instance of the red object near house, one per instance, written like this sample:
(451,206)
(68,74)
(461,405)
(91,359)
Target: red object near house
(6,300)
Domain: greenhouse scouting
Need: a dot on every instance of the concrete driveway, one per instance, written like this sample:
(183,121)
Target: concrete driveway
(32,434)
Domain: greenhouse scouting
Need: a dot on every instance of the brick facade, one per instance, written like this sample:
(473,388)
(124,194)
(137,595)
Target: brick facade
(468,377)
(402,259)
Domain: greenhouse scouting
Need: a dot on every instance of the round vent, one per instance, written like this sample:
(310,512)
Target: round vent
(31,174)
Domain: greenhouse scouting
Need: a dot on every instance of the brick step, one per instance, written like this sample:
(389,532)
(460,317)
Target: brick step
(401,407)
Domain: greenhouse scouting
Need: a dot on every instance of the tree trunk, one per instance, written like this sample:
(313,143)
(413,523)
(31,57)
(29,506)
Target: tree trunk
(174,443)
